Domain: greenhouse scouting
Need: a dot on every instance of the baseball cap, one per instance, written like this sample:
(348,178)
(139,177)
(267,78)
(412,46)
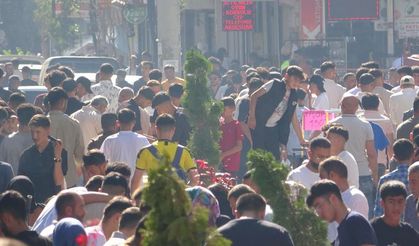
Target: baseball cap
(407,80)
(69,85)
(86,83)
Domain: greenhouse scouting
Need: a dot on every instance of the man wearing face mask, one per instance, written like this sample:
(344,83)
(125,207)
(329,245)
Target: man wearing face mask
(308,173)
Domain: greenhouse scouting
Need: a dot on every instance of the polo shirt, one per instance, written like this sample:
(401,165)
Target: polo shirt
(39,168)
(147,161)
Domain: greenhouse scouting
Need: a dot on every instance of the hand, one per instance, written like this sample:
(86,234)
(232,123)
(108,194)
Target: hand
(284,154)
(251,122)
(304,143)
(58,149)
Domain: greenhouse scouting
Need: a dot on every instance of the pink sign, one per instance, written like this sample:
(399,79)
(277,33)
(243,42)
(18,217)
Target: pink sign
(314,120)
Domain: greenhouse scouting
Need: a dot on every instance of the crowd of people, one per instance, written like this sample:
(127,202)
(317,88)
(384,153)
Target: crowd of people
(74,162)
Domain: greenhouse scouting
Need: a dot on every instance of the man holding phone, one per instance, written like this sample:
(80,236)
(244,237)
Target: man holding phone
(45,162)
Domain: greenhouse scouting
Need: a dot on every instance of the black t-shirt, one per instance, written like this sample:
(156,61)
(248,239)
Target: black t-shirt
(135,108)
(39,168)
(355,230)
(33,239)
(402,235)
(253,232)
(183,129)
(73,105)
(244,110)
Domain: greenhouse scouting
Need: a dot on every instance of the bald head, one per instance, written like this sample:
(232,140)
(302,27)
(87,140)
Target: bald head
(125,94)
(349,105)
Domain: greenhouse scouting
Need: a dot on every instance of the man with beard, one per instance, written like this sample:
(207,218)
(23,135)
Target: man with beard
(13,218)
(308,173)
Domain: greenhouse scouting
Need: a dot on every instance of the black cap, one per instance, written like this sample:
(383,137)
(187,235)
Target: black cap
(86,83)
(366,79)
(69,85)
(160,98)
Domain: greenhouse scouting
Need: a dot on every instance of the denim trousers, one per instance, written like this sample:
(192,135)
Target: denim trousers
(367,187)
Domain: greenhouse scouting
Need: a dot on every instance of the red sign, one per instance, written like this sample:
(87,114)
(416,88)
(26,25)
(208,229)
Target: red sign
(311,19)
(238,15)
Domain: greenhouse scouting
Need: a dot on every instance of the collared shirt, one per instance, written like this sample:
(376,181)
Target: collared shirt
(399,174)
(39,168)
(401,102)
(334,93)
(90,122)
(124,147)
(69,132)
(117,238)
(12,147)
(107,89)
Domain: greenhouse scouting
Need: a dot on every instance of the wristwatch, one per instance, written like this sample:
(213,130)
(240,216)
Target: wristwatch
(57,159)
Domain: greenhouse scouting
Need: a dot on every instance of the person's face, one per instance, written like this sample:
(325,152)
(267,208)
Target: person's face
(80,91)
(156,89)
(414,183)
(394,206)
(78,210)
(324,208)
(318,155)
(164,108)
(120,77)
(14,84)
(350,82)
(214,80)
(169,73)
(330,74)
(145,70)
(94,170)
(11,125)
(9,68)
(26,75)
(293,82)
(145,102)
(313,88)
(228,111)
(367,88)
(102,108)
(39,134)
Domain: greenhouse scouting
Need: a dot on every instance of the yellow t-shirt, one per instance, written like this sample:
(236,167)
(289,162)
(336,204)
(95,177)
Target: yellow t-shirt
(166,83)
(147,161)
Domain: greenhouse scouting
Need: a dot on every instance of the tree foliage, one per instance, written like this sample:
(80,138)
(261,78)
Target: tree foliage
(287,201)
(203,112)
(58,27)
(172,221)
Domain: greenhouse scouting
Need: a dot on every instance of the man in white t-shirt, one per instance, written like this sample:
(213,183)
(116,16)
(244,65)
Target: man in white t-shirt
(402,101)
(308,173)
(338,136)
(354,199)
(334,91)
(124,145)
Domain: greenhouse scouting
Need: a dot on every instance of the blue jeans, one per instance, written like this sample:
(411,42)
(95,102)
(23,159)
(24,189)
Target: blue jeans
(367,187)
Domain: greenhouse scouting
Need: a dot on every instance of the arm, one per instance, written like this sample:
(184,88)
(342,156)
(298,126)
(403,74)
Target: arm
(372,160)
(253,100)
(297,129)
(58,172)
(94,197)
(193,177)
(136,179)
(235,149)
(390,138)
(246,131)
(79,151)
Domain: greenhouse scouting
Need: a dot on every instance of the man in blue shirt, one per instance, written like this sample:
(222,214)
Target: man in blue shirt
(403,153)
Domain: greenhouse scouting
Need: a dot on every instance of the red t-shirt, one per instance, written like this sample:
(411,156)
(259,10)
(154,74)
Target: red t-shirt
(231,133)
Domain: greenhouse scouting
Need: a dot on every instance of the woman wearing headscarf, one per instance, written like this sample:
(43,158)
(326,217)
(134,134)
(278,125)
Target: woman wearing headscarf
(69,232)
(201,196)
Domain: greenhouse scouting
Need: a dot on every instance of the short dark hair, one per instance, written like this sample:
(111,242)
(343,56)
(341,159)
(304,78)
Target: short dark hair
(403,149)
(106,68)
(370,101)
(339,130)
(416,105)
(130,218)
(295,71)
(255,83)
(319,142)
(392,188)
(25,112)
(126,116)
(146,92)
(64,199)
(326,66)
(118,167)
(69,85)
(13,202)
(94,183)
(155,74)
(40,120)
(55,95)
(366,79)
(116,205)
(56,77)
(176,90)
(250,202)
(377,73)
(370,65)
(333,164)
(114,179)
(147,63)
(322,188)
(318,81)
(17,99)
(359,72)
(263,73)
(108,120)
(94,157)
(228,102)
(275,75)
(405,70)
(239,190)
(347,75)
(165,122)
(68,71)
(160,98)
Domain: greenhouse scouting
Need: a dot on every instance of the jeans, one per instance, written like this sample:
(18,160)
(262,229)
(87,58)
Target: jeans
(367,187)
